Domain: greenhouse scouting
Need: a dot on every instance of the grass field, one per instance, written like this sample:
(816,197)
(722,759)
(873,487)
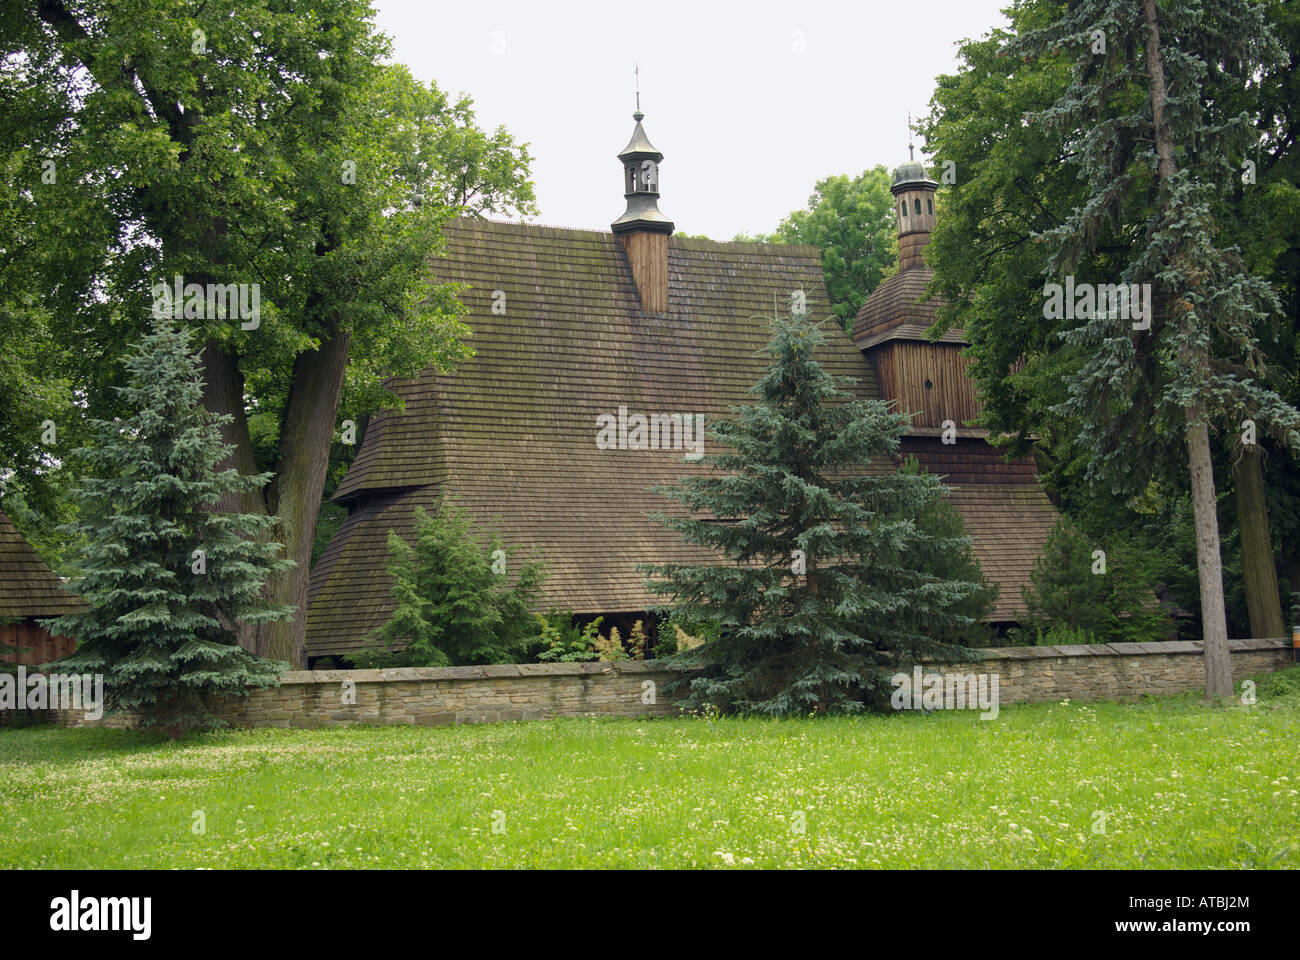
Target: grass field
(1174,784)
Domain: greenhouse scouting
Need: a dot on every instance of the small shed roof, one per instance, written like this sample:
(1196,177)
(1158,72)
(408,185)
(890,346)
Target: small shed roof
(28,587)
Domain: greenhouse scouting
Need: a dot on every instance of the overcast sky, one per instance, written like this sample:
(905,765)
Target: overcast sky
(746,124)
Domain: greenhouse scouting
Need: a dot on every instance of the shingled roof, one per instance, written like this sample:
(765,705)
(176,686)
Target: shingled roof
(895,311)
(29,588)
(510,434)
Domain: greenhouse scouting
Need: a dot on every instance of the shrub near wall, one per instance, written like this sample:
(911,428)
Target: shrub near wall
(535,691)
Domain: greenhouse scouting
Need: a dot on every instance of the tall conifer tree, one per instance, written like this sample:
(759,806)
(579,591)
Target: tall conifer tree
(1157,162)
(167,578)
(831,551)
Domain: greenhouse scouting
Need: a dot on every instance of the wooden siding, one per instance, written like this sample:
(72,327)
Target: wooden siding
(911,250)
(904,368)
(39,646)
(647,256)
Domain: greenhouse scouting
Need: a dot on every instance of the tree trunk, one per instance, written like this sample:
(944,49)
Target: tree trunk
(1258,569)
(1209,560)
(294,494)
(223,393)
(1209,563)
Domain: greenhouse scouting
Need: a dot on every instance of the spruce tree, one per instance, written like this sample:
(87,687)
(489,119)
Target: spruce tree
(167,578)
(1148,135)
(1094,595)
(457,601)
(826,577)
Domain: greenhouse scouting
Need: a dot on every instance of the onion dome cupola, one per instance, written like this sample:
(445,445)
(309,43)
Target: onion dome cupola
(914,208)
(641,185)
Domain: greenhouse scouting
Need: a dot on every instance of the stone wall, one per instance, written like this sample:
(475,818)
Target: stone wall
(1114,671)
(447,695)
(432,696)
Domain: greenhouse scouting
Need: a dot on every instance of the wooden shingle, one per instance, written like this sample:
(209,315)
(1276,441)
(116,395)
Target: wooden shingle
(28,587)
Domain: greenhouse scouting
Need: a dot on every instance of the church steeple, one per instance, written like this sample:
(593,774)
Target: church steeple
(641,184)
(642,229)
(914,210)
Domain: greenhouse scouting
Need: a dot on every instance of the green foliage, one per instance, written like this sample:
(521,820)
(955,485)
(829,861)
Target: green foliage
(679,632)
(1281,688)
(1077,596)
(1021,157)
(828,577)
(1132,390)
(851,220)
(453,608)
(1011,183)
(161,620)
(564,641)
(1045,635)
(946,552)
(229,141)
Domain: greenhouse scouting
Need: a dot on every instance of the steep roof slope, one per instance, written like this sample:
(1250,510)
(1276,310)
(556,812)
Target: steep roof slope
(29,588)
(511,433)
(896,310)
(1006,512)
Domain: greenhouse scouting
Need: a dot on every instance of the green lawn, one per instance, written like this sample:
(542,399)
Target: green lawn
(1180,785)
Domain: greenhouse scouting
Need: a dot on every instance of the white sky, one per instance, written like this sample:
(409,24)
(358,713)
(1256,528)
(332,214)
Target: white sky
(746,125)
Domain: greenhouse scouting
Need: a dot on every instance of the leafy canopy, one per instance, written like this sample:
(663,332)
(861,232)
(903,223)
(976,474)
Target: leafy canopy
(851,220)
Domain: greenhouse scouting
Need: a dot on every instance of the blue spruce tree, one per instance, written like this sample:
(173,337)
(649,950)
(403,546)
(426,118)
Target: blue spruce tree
(167,579)
(840,565)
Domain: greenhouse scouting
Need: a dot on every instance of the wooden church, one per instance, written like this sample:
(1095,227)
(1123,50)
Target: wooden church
(577,328)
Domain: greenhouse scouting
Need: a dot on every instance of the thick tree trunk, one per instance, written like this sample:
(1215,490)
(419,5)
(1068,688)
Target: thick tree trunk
(223,393)
(1209,559)
(294,494)
(1258,569)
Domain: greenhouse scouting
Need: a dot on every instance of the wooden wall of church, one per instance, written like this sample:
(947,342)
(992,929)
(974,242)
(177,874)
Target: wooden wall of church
(42,648)
(647,254)
(929,380)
